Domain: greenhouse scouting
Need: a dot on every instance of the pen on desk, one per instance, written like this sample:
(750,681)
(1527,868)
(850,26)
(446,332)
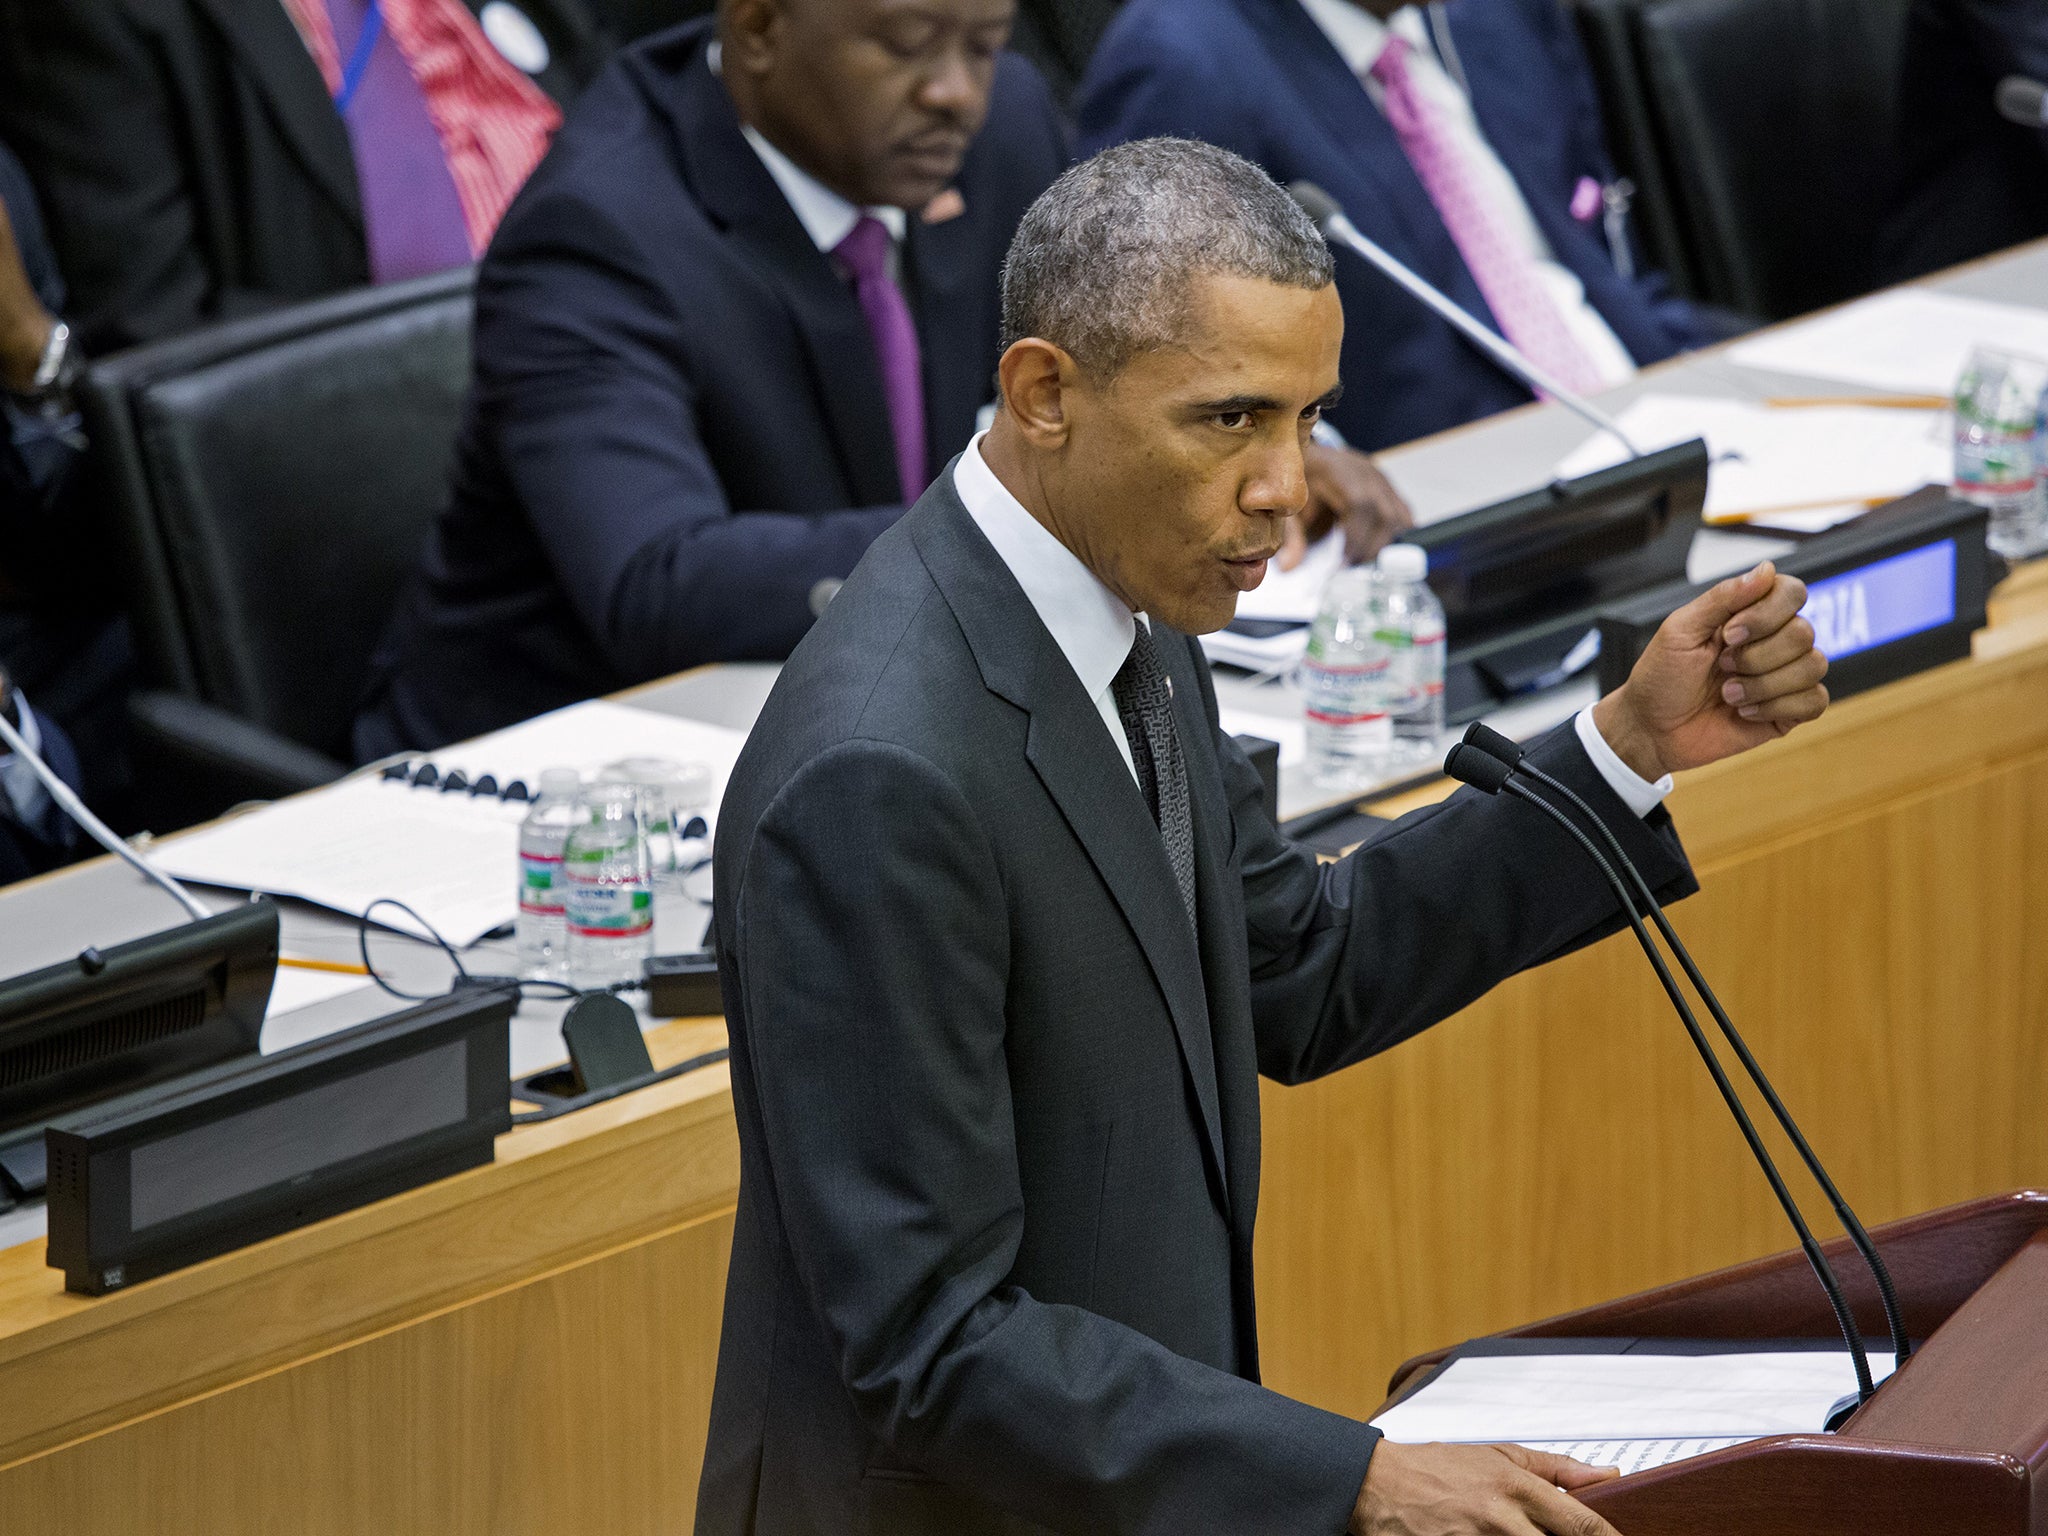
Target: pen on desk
(1881,402)
(337,967)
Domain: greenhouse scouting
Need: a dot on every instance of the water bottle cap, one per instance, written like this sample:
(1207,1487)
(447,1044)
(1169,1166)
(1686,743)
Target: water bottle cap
(560,781)
(1404,562)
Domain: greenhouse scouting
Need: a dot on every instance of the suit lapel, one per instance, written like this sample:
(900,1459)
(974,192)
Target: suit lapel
(262,35)
(1518,125)
(1399,214)
(740,195)
(1082,771)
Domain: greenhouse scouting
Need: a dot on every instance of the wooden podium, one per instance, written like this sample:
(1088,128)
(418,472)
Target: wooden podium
(1955,1444)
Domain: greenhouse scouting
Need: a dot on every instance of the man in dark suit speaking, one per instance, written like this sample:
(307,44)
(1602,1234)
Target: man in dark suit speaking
(1006,936)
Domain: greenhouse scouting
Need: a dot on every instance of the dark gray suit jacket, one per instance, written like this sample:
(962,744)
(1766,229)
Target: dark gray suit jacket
(998,1108)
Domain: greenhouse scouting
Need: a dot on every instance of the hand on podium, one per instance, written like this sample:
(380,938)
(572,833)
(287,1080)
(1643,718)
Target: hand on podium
(1734,668)
(1475,1490)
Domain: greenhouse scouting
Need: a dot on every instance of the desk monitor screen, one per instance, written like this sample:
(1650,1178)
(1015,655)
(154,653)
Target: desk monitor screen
(109,1021)
(1567,547)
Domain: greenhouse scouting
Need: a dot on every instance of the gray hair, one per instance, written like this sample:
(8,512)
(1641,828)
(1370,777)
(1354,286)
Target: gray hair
(1102,262)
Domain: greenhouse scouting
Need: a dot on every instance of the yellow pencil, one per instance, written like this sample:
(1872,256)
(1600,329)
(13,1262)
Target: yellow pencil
(1882,402)
(338,967)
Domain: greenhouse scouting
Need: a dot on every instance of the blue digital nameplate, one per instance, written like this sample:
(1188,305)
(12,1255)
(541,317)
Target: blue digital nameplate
(1884,601)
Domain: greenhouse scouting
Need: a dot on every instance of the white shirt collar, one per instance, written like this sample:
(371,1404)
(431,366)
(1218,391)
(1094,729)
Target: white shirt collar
(826,217)
(1359,36)
(1089,623)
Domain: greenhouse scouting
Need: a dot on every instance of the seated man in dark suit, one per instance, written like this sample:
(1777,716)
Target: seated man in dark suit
(741,313)
(35,834)
(64,643)
(1464,137)
(1970,182)
(201,159)
(1006,935)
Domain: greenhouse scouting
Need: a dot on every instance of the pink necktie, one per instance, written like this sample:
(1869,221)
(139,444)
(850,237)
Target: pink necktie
(1506,276)
(865,255)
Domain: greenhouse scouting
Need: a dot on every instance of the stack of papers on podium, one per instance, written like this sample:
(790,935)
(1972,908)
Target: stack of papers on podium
(1633,1411)
(1801,468)
(1909,341)
(451,857)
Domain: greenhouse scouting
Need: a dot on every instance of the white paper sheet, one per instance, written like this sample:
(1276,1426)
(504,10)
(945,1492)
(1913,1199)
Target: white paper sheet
(1787,458)
(1909,341)
(451,857)
(1257,653)
(295,989)
(1541,1398)
(1631,1455)
(1296,594)
(1290,733)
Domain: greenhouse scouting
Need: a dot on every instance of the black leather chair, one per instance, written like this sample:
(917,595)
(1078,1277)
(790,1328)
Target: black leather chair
(272,481)
(1774,123)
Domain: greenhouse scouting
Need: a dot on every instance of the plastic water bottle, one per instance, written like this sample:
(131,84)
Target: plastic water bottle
(543,944)
(656,779)
(1411,625)
(1343,680)
(609,897)
(1998,427)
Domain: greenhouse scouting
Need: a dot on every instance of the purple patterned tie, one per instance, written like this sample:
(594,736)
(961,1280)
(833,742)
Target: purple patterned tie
(865,255)
(1506,275)
(411,212)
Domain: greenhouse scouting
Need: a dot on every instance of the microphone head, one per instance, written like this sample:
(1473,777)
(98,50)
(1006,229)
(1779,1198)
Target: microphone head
(2021,100)
(1483,736)
(1469,765)
(1315,202)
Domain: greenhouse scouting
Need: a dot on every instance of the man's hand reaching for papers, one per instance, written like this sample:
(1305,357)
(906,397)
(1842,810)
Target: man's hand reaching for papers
(1475,1490)
(1734,668)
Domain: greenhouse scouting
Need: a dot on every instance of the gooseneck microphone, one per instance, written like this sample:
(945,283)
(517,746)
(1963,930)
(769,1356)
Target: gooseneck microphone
(1506,752)
(1469,765)
(2023,101)
(1334,226)
(100,832)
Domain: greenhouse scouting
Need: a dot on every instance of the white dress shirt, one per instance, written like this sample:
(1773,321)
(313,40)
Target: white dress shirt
(1094,629)
(1360,38)
(826,217)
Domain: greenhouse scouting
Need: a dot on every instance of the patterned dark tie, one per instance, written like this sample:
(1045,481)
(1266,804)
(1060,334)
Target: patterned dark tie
(1144,702)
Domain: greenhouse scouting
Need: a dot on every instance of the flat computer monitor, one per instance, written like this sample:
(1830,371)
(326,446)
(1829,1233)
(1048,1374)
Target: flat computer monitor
(108,1021)
(1522,581)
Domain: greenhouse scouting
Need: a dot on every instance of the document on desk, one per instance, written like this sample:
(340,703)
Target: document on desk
(1800,469)
(1649,1409)
(1910,341)
(452,857)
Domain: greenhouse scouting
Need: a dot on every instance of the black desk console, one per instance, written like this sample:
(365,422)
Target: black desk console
(1897,591)
(159,1180)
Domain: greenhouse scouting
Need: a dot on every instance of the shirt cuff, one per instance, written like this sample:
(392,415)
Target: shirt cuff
(1637,793)
(18,782)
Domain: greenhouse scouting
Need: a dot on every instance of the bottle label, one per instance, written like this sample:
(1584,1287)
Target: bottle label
(540,884)
(615,911)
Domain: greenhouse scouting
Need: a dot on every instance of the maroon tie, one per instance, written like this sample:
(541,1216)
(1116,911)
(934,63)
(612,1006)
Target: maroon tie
(865,255)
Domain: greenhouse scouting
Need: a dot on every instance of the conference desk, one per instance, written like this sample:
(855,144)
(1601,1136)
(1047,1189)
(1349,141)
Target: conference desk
(529,1346)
